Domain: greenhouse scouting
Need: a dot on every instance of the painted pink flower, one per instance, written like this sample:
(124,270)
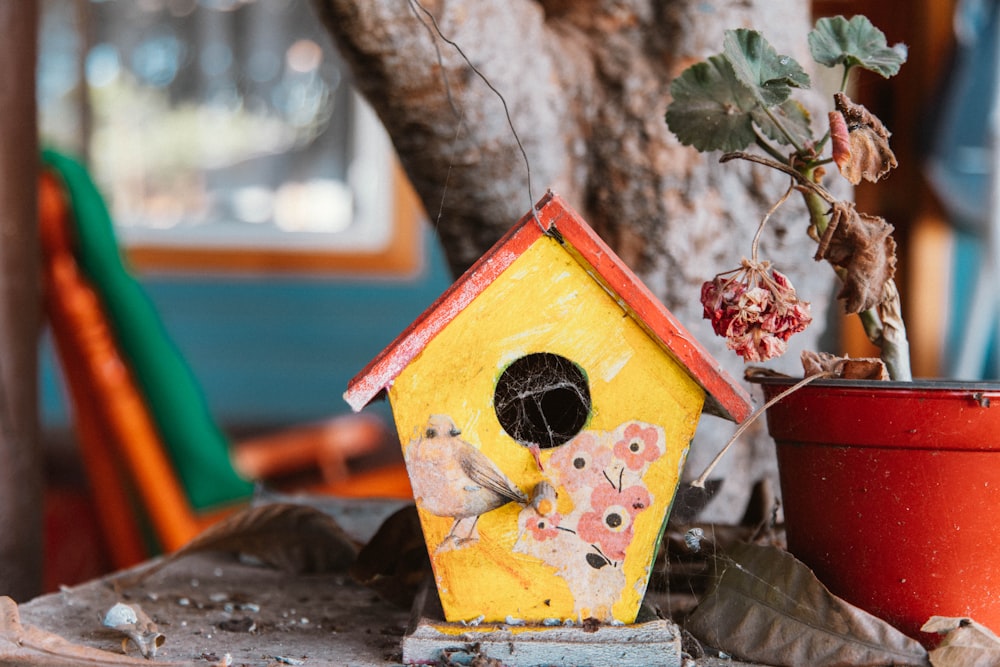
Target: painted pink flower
(638,446)
(542,527)
(609,523)
(756,309)
(635,498)
(581,462)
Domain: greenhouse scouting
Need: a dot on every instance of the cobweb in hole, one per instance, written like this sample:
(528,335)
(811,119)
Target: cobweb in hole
(542,399)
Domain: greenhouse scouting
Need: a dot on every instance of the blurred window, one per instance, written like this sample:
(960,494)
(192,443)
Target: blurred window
(222,132)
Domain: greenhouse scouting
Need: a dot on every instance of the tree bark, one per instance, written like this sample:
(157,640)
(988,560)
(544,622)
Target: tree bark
(21,485)
(586,83)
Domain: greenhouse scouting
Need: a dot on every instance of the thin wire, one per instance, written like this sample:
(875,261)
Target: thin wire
(459,115)
(489,84)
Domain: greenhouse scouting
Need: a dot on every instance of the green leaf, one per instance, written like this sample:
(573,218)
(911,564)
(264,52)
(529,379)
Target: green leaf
(795,120)
(837,41)
(711,109)
(758,66)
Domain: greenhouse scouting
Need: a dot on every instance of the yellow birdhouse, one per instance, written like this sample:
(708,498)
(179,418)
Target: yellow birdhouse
(545,404)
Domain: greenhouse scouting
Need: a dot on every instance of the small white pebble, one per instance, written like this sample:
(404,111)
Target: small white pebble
(184,602)
(218,573)
(510,620)
(120,614)
(304,621)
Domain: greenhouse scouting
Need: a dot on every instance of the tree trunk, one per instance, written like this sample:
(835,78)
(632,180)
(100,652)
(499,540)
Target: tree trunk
(20,455)
(586,85)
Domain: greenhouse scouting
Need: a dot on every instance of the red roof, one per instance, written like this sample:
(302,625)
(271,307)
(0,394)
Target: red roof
(725,397)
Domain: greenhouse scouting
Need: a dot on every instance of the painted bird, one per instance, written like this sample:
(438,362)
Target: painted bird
(451,478)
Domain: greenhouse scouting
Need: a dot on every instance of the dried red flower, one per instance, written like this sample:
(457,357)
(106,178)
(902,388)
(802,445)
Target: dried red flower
(756,309)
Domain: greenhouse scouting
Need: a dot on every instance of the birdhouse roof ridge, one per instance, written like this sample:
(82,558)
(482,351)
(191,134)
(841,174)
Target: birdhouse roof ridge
(553,217)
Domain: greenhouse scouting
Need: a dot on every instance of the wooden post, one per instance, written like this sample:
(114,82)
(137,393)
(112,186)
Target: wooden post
(21,481)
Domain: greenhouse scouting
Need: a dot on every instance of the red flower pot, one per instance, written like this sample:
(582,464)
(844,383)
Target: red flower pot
(891,494)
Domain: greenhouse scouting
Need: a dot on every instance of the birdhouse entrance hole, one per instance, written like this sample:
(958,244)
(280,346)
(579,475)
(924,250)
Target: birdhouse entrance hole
(542,399)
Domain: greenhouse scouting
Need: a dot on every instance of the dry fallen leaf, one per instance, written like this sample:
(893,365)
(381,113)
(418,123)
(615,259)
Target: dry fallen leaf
(394,563)
(863,246)
(28,646)
(847,368)
(766,606)
(289,536)
(965,644)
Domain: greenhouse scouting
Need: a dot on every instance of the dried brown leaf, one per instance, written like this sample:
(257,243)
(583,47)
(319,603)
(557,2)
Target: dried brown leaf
(751,372)
(868,154)
(965,644)
(862,368)
(288,536)
(394,563)
(766,606)
(863,246)
(29,646)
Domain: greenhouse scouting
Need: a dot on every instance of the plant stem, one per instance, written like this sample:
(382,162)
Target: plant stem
(781,126)
(760,228)
(819,212)
(895,347)
(769,149)
(884,325)
(802,179)
(703,477)
(845,78)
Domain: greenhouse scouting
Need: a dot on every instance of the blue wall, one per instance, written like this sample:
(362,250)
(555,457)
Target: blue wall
(273,350)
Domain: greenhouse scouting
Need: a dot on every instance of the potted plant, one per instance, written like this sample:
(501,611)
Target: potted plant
(887,490)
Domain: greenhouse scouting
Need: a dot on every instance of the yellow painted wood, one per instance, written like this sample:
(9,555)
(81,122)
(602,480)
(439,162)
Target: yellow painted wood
(544,302)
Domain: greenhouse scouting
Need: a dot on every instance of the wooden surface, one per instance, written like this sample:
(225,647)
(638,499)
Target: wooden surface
(208,605)
(649,642)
